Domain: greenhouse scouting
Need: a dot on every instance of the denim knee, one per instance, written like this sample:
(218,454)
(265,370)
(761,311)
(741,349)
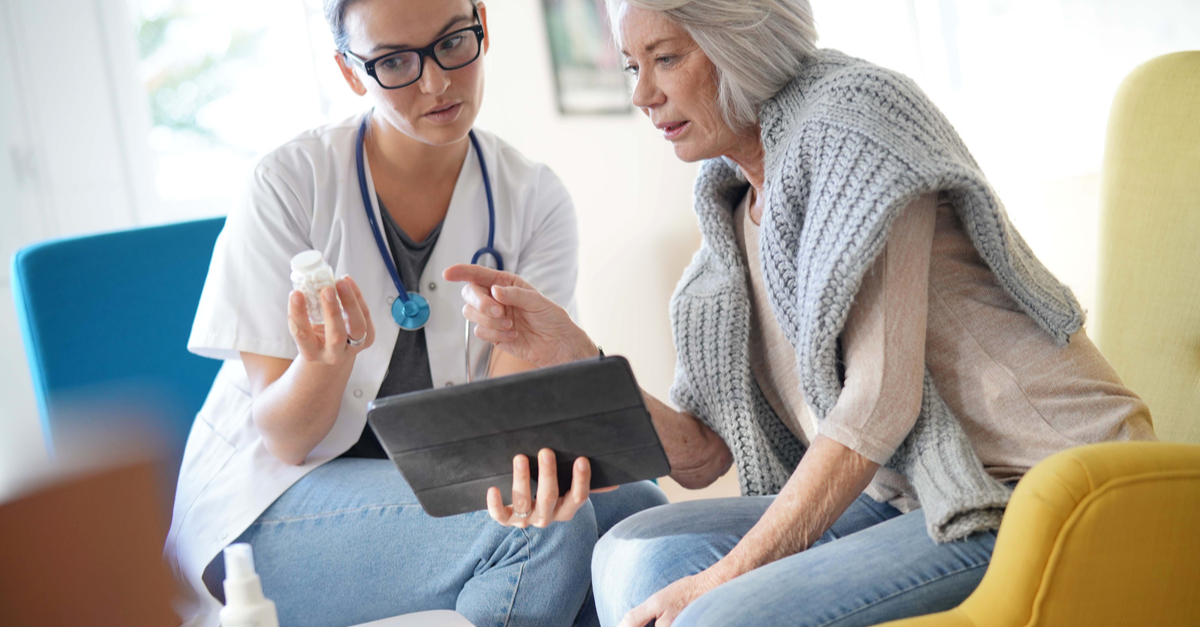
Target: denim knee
(632,562)
(530,576)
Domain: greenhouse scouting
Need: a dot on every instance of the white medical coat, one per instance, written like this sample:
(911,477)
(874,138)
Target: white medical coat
(305,195)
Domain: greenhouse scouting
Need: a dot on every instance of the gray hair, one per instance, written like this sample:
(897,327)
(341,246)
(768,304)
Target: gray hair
(757,46)
(335,16)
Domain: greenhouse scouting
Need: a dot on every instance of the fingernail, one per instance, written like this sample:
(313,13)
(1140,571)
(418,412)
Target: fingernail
(327,295)
(506,323)
(497,311)
(579,464)
(512,335)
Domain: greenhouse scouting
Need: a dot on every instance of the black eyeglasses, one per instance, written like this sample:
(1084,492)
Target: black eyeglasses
(404,67)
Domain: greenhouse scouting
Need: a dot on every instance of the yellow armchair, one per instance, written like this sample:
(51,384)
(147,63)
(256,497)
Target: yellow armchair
(1109,534)
(1106,534)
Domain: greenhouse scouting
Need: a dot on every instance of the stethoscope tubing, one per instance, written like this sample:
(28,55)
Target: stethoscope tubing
(489,249)
(366,197)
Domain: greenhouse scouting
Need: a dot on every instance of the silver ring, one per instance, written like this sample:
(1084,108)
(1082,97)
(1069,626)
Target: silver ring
(356,343)
(522,514)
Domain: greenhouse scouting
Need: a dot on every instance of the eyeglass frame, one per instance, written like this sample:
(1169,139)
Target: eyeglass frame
(422,54)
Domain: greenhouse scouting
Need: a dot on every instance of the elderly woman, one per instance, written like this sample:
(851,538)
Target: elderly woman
(863,333)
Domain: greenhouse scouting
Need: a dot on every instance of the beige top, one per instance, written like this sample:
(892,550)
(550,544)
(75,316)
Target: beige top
(930,301)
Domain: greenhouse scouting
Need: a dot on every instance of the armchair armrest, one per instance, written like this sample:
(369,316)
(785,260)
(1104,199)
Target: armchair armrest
(1103,534)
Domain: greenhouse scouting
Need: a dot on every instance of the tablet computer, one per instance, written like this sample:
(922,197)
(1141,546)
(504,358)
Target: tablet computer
(453,443)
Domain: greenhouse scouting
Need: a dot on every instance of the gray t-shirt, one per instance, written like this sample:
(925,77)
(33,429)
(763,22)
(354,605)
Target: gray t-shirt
(409,368)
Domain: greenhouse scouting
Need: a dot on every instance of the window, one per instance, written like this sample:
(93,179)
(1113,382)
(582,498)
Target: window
(225,81)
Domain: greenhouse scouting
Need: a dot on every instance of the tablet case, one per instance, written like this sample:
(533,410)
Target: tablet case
(452,443)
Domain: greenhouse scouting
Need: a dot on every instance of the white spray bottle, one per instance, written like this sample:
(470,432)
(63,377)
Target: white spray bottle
(245,605)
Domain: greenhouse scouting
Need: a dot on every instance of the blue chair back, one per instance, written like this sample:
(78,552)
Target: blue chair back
(105,320)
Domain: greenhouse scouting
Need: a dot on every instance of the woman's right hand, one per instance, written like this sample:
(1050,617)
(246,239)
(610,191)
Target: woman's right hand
(511,314)
(329,343)
(548,507)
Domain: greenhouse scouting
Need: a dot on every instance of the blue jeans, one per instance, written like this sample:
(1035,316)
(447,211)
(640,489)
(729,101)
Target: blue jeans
(873,565)
(350,544)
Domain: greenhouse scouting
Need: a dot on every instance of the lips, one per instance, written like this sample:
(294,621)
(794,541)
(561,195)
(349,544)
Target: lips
(672,130)
(444,112)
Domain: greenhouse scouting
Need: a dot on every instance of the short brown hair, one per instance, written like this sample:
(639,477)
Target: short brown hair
(335,16)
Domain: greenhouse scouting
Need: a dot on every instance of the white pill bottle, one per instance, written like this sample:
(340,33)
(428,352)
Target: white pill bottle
(245,605)
(311,274)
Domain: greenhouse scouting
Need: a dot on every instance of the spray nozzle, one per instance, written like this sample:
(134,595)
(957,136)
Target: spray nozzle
(239,561)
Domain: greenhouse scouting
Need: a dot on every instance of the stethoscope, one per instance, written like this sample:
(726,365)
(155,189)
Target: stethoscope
(411,310)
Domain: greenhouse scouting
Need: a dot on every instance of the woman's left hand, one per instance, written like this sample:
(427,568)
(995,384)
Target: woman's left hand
(664,606)
(549,506)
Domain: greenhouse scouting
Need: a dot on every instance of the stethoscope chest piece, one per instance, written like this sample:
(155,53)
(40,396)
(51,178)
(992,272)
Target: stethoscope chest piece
(411,314)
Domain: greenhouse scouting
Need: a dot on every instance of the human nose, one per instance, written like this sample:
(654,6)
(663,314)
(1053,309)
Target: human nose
(433,80)
(646,94)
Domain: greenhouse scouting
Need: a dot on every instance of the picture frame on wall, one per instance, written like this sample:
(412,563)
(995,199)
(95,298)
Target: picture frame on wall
(588,75)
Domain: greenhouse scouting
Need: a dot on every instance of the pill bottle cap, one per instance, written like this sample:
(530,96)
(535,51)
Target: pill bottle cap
(307,261)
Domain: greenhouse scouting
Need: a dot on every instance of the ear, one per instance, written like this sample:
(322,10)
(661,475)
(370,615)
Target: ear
(349,74)
(487,35)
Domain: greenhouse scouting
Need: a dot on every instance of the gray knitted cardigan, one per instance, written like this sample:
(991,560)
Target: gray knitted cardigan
(848,145)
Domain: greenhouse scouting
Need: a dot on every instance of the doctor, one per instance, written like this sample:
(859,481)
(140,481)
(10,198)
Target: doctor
(280,455)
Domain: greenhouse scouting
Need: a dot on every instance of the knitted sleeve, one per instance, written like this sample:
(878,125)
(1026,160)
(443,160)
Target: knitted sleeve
(713,381)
